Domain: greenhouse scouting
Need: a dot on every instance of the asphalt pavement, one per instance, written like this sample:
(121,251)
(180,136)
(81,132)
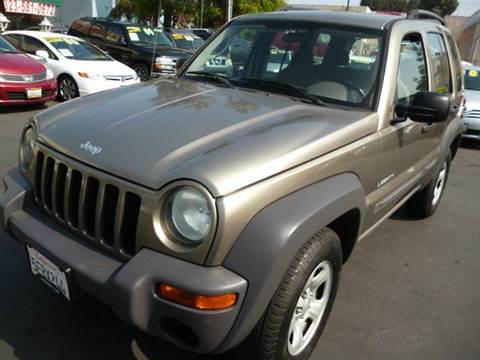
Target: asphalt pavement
(410,291)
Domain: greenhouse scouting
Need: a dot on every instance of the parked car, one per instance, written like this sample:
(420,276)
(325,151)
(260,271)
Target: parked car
(23,80)
(57,30)
(133,45)
(204,33)
(214,211)
(79,67)
(185,39)
(472,108)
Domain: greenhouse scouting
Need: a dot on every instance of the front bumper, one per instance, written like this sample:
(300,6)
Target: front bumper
(128,287)
(471,128)
(16,93)
(90,86)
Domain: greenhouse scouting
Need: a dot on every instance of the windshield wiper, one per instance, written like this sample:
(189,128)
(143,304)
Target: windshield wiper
(210,76)
(286,88)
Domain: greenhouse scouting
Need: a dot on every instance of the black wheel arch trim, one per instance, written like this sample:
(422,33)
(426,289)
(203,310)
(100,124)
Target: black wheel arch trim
(268,244)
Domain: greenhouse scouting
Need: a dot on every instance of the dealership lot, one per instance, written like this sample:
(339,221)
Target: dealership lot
(410,291)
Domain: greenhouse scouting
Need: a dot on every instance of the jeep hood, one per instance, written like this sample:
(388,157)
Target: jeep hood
(226,139)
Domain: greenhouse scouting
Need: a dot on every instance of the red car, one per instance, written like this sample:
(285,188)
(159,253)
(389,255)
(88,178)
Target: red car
(23,80)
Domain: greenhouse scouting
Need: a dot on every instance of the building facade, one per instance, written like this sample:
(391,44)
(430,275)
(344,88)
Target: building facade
(74,9)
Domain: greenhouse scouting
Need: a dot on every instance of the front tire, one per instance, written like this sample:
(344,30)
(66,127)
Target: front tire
(67,88)
(425,202)
(298,311)
(143,71)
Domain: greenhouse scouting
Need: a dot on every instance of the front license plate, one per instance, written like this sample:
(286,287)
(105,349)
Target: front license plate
(34,93)
(48,272)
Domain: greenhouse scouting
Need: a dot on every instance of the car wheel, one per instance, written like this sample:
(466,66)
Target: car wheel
(143,71)
(298,312)
(67,88)
(425,202)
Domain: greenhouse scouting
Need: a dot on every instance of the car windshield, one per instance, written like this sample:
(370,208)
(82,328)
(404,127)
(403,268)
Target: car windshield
(6,47)
(336,66)
(472,79)
(187,41)
(145,35)
(77,49)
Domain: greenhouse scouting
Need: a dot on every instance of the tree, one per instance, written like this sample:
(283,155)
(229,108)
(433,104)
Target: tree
(187,11)
(441,7)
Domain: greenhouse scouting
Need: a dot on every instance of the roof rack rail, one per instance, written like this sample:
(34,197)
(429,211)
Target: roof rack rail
(425,15)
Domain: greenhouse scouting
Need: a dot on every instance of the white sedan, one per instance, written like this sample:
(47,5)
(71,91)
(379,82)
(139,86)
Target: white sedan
(80,68)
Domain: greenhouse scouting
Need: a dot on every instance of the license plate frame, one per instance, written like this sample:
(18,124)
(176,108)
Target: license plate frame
(49,273)
(34,93)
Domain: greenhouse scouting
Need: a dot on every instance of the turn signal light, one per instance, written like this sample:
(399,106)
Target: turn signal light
(200,302)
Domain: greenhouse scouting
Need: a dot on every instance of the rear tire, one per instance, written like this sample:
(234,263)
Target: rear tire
(425,202)
(299,309)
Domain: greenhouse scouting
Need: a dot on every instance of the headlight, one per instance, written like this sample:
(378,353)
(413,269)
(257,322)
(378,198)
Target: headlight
(50,74)
(190,215)
(29,137)
(91,76)
(165,63)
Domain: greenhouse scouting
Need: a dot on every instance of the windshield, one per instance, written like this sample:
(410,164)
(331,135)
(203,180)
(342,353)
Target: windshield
(337,66)
(145,35)
(472,79)
(6,47)
(187,41)
(77,49)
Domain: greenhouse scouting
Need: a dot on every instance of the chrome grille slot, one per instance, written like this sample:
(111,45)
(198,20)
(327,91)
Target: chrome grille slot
(97,211)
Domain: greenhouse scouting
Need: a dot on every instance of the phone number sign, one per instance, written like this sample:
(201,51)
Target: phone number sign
(29,7)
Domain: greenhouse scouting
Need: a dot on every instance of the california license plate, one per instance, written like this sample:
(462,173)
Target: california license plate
(48,272)
(34,93)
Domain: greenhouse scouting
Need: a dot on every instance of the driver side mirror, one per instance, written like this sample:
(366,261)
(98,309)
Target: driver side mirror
(425,107)
(42,54)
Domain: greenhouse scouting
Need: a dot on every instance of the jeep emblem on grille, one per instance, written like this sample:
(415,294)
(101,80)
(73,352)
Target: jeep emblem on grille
(92,149)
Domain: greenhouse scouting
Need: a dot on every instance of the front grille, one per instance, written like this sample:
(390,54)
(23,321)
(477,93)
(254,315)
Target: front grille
(472,114)
(25,78)
(118,78)
(472,132)
(22,95)
(98,211)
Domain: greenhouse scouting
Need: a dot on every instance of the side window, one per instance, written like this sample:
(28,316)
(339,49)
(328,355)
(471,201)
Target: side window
(457,62)
(282,50)
(31,46)
(441,68)
(115,34)
(98,31)
(320,48)
(412,69)
(15,40)
(364,53)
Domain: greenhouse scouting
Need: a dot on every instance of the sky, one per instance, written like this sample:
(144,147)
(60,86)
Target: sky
(465,7)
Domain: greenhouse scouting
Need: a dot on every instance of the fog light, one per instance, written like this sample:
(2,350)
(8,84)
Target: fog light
(200,302)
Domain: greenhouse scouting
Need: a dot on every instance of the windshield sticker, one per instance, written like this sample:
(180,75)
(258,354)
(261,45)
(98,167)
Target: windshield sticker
(473,73)
(71,41)
(134,29)
(66,52)
(178,36)
(54,40)
(148,31)
(134,37)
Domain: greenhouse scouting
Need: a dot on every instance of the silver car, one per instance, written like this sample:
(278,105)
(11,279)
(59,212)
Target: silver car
(472,108)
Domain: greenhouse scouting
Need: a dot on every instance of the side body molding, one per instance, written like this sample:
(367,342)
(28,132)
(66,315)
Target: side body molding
(267,246)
